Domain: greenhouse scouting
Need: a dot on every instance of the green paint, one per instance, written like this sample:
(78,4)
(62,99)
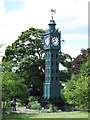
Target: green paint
(52,46)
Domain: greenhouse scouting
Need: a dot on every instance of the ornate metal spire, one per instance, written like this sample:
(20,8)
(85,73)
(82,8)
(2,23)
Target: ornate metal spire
(53,12)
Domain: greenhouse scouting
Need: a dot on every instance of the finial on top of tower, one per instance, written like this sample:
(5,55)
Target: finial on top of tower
(53,12)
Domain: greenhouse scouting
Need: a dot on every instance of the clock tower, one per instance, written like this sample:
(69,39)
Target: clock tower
(52,47)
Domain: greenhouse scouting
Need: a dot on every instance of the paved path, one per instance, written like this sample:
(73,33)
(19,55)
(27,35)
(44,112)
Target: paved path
(22,110)
(28,111)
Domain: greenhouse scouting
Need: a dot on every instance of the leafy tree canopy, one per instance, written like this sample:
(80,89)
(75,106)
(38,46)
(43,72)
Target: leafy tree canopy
(13,86)
(76,90)
(26,56)
(79,60)
(66,61)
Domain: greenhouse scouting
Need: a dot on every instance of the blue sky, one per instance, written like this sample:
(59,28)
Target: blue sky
(13,5)
(71,19)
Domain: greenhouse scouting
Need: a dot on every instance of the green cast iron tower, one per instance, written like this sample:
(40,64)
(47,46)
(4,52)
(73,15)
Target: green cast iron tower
(52,47)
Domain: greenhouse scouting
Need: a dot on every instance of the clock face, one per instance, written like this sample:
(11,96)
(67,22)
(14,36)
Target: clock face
(47,41)
(55,41)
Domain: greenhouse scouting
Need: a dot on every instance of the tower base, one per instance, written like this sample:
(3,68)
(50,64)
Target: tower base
(59,103)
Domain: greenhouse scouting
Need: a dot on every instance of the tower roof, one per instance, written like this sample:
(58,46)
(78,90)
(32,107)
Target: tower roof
(52,24)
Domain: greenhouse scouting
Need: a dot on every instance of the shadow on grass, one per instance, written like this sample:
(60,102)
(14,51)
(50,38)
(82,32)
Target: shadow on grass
(17,116)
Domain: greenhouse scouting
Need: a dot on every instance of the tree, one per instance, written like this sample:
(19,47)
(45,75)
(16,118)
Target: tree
(30,61)
(79,60)
(0,82)
(76,90)
(28,51)
(13,86)
(66,61)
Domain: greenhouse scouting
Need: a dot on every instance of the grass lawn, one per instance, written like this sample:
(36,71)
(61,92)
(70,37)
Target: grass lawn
(13,116)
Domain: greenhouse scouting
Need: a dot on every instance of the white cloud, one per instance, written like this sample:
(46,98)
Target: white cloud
(2,10)
(71,36)
(61,67)
(13,0)
(36,13)
(71,51)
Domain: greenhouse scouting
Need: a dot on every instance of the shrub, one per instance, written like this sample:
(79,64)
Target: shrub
(49,106)
(29,104)
(52,108)
(68,108)
(32,99)
(18,104)
(6,105)
(36,106)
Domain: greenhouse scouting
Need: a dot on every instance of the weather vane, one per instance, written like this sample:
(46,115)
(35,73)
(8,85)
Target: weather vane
(53,12)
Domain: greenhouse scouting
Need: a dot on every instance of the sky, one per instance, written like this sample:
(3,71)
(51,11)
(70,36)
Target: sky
(71,18)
